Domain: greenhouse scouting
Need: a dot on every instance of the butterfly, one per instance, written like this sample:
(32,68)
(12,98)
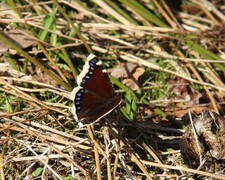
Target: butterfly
(94,96)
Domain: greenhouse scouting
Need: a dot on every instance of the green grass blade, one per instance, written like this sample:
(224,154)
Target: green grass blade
(143,12)
(121,11)
(48,23)
(206,54)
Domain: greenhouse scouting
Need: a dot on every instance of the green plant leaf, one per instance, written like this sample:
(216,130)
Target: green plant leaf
(38,171)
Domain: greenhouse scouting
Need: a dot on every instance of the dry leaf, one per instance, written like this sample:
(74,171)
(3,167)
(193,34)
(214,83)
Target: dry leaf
(123,70)
(22,40)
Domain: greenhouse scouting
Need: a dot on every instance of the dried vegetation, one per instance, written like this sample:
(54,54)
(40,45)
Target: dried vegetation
(167,58)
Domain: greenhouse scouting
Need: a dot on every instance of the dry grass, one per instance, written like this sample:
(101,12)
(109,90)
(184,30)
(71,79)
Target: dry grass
(181,51)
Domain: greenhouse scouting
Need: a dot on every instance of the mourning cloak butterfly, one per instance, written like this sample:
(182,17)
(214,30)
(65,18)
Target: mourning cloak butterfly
(94,96)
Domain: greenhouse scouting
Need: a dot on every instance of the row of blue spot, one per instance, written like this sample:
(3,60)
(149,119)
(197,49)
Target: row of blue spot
(78,99)
(79,94)
(91,69)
